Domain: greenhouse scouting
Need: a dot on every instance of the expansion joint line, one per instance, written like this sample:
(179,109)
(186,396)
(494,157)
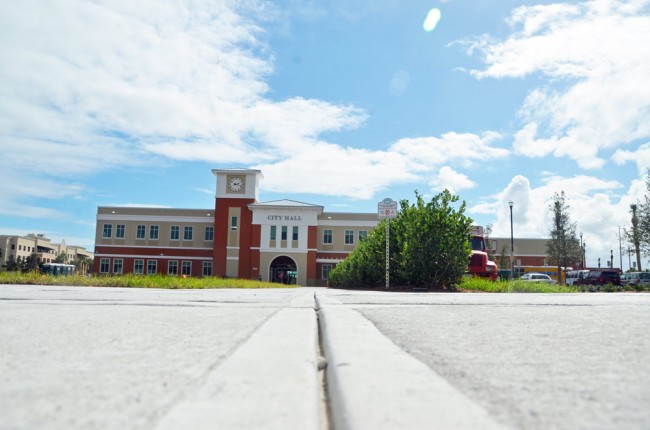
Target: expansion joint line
(326,422)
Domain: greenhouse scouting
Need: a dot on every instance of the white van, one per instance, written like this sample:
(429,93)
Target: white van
(573,275)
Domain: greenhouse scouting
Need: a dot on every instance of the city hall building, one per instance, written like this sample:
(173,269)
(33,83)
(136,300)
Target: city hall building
(277,241)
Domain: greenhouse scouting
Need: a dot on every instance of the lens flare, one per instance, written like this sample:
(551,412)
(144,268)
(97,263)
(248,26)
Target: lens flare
(432,19)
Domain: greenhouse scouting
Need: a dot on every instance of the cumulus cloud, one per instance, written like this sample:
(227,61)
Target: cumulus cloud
(640,156)
(597,206)
(90,87)
(595,56)
(463,148)
(451,180)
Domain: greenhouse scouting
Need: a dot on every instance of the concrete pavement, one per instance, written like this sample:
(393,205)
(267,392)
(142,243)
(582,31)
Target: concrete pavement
(96,358)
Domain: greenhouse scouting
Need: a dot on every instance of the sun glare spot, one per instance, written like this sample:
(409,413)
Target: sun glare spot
(432,19)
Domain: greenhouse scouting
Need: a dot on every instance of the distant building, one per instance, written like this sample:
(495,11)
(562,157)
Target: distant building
(528,252)
(277,241)
(21,247)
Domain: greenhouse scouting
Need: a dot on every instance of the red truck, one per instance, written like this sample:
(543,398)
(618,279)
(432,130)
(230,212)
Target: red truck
(479,263)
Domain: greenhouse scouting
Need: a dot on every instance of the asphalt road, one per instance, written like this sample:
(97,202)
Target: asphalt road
(100,358)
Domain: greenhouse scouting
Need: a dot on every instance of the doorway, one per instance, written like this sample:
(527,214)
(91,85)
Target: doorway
(283,270)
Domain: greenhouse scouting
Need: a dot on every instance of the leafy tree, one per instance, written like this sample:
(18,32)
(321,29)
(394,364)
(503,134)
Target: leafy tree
(503,258)
(12,265)
(83,263)
(487,232)
(429,248)
(563,248)
(638,236)
(61,258)
(30,264)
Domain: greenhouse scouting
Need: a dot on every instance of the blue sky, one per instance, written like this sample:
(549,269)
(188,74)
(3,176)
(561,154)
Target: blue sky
(339,103)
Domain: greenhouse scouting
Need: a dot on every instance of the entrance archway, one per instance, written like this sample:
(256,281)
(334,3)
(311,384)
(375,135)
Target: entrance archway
(283,270)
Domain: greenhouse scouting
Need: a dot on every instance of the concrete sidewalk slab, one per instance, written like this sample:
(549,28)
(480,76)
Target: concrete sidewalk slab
(373,384)
(270,382)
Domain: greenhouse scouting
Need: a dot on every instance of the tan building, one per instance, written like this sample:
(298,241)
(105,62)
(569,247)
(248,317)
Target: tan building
(21,247)
(277,241)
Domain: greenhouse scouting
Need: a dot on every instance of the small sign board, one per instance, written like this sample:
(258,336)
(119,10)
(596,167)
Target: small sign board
(387,208)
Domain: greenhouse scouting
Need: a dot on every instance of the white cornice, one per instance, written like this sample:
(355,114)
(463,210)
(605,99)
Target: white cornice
(156,218)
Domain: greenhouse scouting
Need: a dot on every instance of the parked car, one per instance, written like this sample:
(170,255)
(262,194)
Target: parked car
(537,277)
(635,278)
(571,276)
(600,277)
(626,278)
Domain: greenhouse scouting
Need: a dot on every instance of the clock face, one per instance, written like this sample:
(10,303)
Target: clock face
(236,184)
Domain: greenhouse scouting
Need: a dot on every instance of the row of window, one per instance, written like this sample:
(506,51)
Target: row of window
(154,232)
(151,267)
(348,237)
(284,232)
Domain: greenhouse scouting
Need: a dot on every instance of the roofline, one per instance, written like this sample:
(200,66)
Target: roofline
(238,170)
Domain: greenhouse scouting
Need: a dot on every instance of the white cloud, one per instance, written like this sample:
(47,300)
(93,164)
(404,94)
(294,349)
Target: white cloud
(357,173)
(451,180)
(93,86)
(596,206)
(463,148)
(641,157)
(595,56)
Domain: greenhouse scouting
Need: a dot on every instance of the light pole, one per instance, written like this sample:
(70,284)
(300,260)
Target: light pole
(620,249)
(512,243)
(582,261)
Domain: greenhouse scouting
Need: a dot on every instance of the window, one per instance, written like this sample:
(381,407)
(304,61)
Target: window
(207,268)
(104,265)
(138,267)
(187,268)
(107,230)
(274,230)
(175,233)
(140,231)
(153,232)
(233,223)
(294,236)
(349,237)
(152,267)
(327,236)
(187,232)
(119,231)
(118,265)
(209,233)
(327,268)
(172,267)
(284,232)
(363,235)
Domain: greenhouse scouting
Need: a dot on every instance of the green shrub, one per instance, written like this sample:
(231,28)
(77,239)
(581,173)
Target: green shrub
(429,248)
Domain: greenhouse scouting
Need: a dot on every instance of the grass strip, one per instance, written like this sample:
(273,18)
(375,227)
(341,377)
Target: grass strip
(516,286)
(134,281)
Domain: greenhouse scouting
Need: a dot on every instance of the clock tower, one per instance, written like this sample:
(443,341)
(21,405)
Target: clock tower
(236,239)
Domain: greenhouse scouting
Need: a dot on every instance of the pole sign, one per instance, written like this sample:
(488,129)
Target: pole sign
(387,209)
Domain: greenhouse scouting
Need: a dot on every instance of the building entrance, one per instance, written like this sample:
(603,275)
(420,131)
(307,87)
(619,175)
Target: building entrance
(283,270)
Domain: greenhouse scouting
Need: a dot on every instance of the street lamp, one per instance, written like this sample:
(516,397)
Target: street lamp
(582,262)
(512,243)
